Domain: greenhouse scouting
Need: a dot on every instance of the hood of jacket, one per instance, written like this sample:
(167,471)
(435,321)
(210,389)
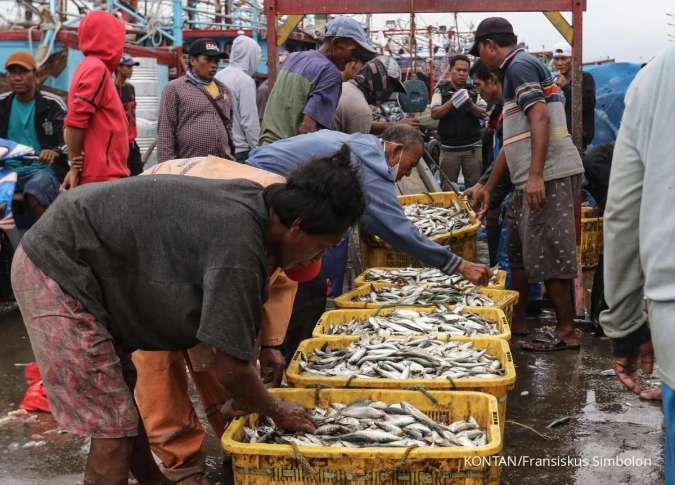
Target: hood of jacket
(102,35)
(245,54)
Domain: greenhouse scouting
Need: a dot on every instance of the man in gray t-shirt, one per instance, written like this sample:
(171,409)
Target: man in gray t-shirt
(546,170)
(164,262)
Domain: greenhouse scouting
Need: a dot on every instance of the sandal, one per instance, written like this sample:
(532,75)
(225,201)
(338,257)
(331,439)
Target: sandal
(547,341)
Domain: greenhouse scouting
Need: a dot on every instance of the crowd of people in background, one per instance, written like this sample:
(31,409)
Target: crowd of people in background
(312,161)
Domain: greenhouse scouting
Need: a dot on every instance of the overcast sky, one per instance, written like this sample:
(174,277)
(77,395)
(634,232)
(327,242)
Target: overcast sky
(627,30)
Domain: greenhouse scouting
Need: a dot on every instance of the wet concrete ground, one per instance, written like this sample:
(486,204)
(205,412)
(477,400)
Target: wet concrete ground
(606,423)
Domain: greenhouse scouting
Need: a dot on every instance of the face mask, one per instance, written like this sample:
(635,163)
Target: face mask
(396,167)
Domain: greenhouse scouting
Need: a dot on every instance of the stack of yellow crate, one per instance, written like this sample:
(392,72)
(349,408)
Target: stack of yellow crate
(441,399)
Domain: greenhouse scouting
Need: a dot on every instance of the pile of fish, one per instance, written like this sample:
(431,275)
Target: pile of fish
(373,357)
(433,221)
(431,276)
(406,322)
(366,423)
(424,294)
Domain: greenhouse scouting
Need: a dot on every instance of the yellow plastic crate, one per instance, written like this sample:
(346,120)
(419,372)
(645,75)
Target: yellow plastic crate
(591,241)
(498,386)
(463,242)
(335,317)
(361,280)
(505,300)
(466,247)
(263,464)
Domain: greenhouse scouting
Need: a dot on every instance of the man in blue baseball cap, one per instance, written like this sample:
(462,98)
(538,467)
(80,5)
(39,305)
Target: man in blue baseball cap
(307,89)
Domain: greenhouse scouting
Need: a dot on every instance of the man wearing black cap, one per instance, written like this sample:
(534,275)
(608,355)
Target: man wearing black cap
(127,94)
(195,112)
(545,169)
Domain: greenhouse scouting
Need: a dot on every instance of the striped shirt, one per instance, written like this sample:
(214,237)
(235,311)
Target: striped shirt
(526,81)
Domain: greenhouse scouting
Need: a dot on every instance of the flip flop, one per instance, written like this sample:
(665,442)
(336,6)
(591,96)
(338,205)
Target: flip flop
(547,342)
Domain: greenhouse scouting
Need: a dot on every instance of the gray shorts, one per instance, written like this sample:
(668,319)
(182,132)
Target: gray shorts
(544,242)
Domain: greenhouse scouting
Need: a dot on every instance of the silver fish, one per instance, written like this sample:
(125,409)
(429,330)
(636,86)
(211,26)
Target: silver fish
(406,276)
(404,359)
(424,294)
(433,221)
(403,425)
(450,323)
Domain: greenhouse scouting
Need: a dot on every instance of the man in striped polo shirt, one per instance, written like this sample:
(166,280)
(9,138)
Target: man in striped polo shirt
(545,168)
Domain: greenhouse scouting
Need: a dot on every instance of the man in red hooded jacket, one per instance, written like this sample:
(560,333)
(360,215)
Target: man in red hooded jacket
(96,126)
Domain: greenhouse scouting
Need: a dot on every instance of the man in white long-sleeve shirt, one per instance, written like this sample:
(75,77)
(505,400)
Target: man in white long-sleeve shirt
(244,58)
(639,229)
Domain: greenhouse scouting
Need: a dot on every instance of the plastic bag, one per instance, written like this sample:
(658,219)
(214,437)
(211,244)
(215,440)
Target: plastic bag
(35,398)
(7,184)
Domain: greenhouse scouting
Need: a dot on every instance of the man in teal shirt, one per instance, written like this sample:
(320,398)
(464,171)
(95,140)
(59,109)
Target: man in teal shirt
(33,118)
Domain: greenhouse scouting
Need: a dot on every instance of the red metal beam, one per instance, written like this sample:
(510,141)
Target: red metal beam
(20,35)
(215,34)
(290,7)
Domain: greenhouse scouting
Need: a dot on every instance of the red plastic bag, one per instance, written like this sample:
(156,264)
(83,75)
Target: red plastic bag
(36,397)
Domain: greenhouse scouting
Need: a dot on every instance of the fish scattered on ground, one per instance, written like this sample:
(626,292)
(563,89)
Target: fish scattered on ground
(406,322)
(434,221)
(430,276)
(424,294)
(366,423)
(378,358)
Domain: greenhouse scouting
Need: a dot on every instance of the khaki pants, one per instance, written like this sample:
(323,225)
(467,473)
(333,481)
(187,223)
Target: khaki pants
(470,162)
(174,431)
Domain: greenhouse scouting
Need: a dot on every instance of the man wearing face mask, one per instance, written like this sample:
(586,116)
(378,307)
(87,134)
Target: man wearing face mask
(380,162)
(374,83)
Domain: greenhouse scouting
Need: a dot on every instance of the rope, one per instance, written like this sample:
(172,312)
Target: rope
(402,462)
(349,380)
(426,393)
(317,389)
(304,464)
(452,382)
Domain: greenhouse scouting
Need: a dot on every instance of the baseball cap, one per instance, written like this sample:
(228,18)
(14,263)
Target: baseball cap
(207,47)
(348,28)
(305,272)
(490,26)
(393,73)
(562,49)
(127,60)
(22,58)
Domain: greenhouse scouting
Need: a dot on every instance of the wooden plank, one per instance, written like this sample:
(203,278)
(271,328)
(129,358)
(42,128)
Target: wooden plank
(561,25)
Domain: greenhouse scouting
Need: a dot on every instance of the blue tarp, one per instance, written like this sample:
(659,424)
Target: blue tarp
(611,83)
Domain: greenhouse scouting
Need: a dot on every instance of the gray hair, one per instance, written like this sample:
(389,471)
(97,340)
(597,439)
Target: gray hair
(403,134)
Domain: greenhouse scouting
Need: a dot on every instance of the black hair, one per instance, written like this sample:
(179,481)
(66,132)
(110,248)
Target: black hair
(459,57)
(325,195)
(502,40)
(481,71)
(404,134)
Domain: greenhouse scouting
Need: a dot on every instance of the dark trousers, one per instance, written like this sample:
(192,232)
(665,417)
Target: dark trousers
(135,162)
(309,305)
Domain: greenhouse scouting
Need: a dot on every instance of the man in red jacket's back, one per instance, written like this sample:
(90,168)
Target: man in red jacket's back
(96,126)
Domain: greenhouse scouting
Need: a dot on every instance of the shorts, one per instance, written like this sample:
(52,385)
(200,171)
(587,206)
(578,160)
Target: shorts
(544,242)
(88,380)
(43,184)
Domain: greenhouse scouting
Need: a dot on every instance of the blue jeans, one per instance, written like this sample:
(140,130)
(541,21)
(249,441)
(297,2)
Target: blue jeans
(42,184)
(669,418)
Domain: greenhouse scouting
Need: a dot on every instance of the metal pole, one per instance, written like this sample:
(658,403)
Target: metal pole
(578,137)
(177,24)
(577,79)
(431,60)
(271,12)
